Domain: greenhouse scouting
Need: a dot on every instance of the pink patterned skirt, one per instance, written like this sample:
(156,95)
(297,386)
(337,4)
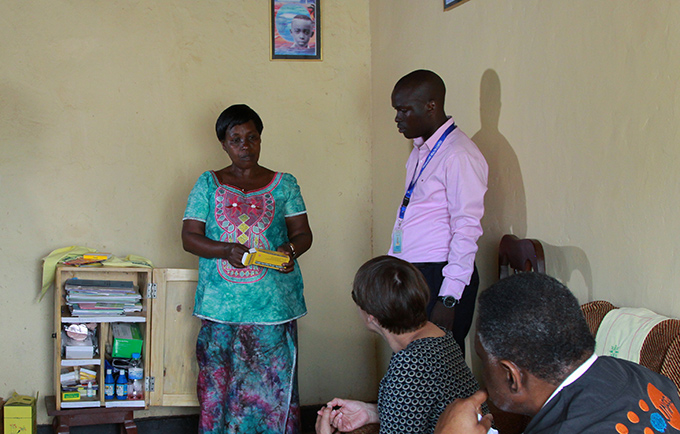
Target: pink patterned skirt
(247,380)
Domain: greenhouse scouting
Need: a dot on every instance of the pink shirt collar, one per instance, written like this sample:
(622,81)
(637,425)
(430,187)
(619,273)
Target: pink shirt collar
(429,143)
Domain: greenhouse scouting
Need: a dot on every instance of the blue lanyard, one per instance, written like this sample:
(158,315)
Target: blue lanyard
(412,185)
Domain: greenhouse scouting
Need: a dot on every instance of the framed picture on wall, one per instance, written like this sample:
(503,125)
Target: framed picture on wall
(295,29)
(450,4)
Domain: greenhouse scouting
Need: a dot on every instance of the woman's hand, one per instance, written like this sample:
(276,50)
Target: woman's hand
(299,240)
(195,241)
(352,414)
(288,250)
(233,252)
(323,421)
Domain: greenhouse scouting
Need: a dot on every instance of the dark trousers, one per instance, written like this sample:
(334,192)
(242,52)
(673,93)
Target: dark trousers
(464,310)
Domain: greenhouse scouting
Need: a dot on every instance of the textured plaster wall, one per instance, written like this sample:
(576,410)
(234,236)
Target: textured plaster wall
(576,106)
(107,114)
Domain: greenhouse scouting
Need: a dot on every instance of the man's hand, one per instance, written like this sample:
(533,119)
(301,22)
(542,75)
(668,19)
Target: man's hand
(442,316)
(460,417)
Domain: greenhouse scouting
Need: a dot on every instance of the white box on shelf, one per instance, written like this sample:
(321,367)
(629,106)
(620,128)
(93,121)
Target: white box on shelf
(80,352)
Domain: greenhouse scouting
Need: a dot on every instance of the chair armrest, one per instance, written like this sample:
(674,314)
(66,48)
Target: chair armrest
(670,367)
(656,346)
(594,312)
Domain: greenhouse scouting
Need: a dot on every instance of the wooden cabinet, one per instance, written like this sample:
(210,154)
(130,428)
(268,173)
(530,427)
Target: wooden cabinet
(168,328)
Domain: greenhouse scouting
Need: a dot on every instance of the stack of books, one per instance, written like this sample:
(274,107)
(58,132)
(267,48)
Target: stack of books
(102,297)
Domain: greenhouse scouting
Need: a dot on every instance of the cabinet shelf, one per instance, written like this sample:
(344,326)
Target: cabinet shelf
(67,318)
(100,319)
(83,403)
(80,362)
(134,404)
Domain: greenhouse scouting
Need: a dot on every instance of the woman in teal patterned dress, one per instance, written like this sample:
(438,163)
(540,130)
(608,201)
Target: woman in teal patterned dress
(247,345)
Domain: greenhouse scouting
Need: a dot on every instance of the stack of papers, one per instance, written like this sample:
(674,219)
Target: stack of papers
(102,297)
(79,376)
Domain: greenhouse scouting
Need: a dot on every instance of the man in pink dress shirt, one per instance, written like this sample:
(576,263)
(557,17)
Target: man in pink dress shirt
(438,223)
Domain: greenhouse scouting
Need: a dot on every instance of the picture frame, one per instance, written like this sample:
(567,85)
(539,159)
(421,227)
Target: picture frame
(450,4)
(295,30)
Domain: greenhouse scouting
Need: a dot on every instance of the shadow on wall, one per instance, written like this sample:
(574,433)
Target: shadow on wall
(562,262)
(505,202)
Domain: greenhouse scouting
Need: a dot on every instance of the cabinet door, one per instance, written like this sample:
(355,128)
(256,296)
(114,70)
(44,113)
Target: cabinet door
(173,338)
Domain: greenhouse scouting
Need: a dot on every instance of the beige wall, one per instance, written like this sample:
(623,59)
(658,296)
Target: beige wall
(576,106)
(107,113)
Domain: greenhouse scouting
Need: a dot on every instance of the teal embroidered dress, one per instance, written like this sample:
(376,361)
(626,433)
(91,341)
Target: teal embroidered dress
(251,295)
(247,346)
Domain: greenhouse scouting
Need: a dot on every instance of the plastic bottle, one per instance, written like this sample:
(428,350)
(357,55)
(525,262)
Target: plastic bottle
(90,390)
(109,385)
(135,378)
(121,385)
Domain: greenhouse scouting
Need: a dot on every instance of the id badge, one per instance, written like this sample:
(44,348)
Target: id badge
(396,241)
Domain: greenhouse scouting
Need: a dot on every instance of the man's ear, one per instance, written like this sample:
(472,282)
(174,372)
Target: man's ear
(431,107)
(513,376)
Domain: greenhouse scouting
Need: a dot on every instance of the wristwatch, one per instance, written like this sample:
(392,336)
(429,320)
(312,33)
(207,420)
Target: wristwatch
(449,301)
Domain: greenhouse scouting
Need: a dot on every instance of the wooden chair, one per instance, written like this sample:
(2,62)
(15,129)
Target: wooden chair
(516,255)
(519,255)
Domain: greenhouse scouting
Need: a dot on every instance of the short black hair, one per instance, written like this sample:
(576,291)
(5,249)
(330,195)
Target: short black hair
(394,292)
(236,114)
(533,320)
(429,81)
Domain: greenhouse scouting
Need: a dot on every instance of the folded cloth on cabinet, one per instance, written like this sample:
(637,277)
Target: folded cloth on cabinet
(55,257)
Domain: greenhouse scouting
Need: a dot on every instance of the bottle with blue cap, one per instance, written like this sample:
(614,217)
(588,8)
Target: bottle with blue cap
(109,385)
(121,385)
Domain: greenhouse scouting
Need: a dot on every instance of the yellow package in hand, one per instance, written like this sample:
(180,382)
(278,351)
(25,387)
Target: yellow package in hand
(265,258)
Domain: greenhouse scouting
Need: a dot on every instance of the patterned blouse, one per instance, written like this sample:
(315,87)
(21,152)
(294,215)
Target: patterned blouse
(420,382)
(251,295)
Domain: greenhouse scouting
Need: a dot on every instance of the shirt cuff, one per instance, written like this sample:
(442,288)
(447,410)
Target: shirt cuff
(452,287)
